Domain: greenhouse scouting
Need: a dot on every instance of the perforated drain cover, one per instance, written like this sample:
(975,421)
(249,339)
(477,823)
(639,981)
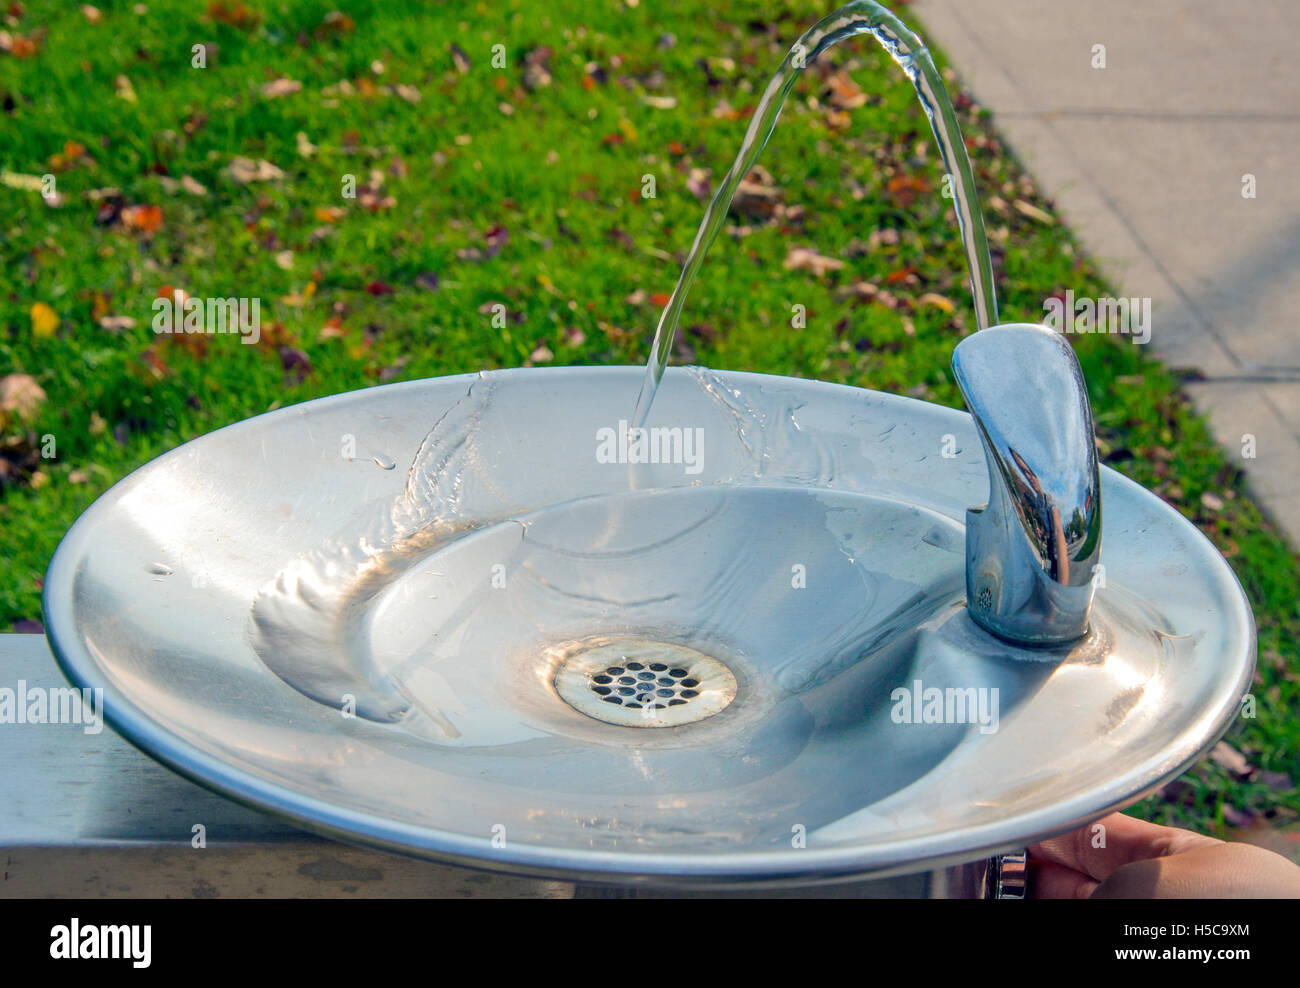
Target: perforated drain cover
(637,682)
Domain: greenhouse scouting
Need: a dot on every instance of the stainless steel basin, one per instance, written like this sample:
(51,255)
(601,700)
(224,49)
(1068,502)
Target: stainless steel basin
(389,616)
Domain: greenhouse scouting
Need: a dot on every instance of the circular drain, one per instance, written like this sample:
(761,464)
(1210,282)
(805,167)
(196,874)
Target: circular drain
(637,682)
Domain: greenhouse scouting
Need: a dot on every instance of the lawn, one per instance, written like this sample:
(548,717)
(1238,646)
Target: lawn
(497,155)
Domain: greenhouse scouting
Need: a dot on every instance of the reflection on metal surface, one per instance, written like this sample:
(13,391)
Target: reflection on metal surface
(370,653)
(1009,876)
(1032,551)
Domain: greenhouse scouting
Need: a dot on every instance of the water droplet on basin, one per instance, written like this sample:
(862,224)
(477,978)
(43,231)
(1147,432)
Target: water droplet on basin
(160,569)
(384,462)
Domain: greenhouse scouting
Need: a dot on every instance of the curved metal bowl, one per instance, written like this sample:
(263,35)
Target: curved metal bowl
(276,612)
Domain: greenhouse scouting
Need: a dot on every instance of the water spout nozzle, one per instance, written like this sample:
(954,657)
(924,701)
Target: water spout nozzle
(1032,552)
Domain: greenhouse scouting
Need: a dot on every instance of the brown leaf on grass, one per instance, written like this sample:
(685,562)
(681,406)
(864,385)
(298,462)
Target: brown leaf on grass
(906,188)
(804,259)
(757,195)
(332,330)
(495,239)
(21,47)
(407,92)
(537,68)
(843,93)
(1226,756)
(459,58)
(1274,780)
(71,155)
(245,170)
(157,369)
(1034,213)
(616,334)
(334,24)
(234,13)
(371,195)
(141,219)
(698,183)
(281,87)
(20,396)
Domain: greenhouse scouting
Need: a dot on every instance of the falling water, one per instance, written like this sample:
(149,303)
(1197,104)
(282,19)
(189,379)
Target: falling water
(860,17)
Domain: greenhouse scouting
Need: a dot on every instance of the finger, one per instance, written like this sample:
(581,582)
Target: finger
(1222,871)
(1121,840)
(1054,881)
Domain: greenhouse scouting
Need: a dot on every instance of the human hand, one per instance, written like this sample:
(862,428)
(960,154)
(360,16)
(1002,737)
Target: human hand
(1143,860)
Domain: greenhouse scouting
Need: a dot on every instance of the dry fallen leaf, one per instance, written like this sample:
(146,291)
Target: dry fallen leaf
(281,87)
(1226,756)
(146,219)
(21,396)
(698,183)
(408,93)
(905,188)
(1033,212)
(803,259)
(757,195)
(245,170)
(843,92)
(28,183)
(236,13)
(938,301)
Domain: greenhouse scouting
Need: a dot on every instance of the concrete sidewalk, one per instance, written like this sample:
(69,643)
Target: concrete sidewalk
(1146,159)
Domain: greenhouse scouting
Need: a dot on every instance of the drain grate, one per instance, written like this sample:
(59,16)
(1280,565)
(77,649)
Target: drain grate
(643,683)
(638,685)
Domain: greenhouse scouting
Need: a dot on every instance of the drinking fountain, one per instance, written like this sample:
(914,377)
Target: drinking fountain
(776,632)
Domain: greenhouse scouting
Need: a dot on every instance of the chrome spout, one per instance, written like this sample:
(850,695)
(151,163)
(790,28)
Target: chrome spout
(1032,551)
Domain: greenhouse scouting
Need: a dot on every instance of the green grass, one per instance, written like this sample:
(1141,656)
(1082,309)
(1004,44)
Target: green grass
(561,172)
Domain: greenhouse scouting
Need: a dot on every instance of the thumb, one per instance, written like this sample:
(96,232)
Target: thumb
(1207,871)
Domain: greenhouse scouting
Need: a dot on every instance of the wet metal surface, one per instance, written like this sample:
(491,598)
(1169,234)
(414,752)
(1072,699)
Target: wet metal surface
(365,651)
